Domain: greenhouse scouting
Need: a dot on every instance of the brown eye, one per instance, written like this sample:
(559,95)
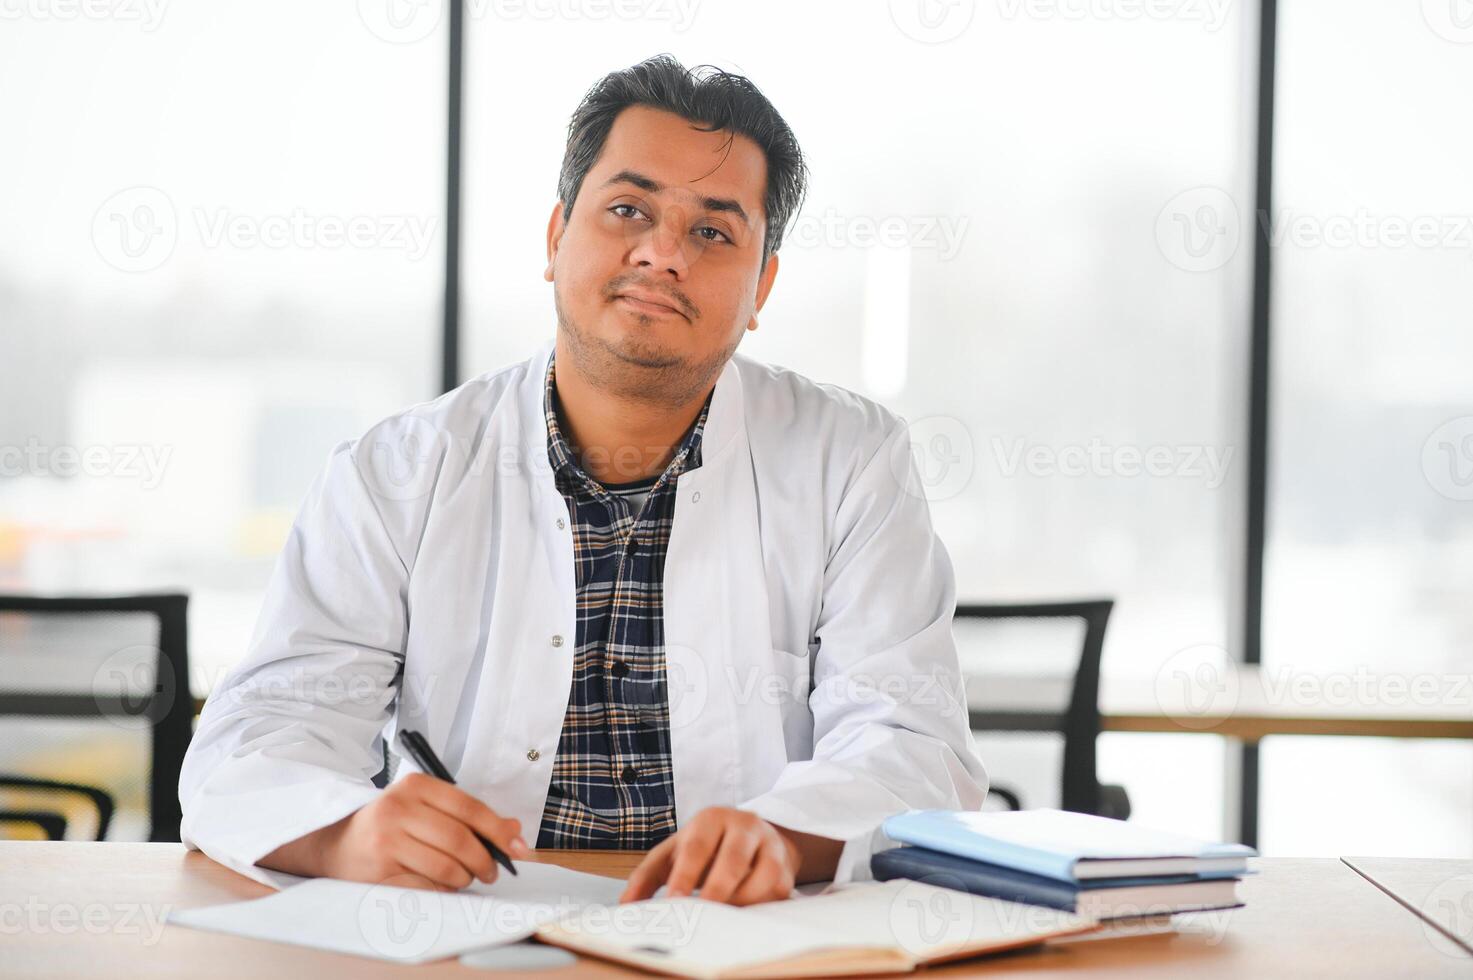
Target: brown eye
(618,209)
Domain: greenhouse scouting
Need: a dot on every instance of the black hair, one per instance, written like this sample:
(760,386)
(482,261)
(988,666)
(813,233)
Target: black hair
(711,99)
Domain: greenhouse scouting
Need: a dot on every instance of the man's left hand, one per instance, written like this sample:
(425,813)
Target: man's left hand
(731,855)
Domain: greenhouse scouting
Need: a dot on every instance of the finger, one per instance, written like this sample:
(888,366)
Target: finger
(404,878)
(769,880)
(439,867)
(694,849)
(433,827)
(504,832)
(732,864)
(651,873)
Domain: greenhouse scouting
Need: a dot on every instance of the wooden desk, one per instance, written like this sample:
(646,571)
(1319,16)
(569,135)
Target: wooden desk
(78,910)
(1440,893)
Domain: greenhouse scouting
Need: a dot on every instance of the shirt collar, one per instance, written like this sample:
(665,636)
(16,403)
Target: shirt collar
(560,454)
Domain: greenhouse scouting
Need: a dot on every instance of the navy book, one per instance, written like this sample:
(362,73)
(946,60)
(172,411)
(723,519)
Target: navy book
(1111,898)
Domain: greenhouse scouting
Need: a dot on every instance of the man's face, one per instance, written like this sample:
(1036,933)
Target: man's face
(659,271)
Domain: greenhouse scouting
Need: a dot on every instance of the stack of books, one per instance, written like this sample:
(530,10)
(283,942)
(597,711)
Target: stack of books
(1092,866)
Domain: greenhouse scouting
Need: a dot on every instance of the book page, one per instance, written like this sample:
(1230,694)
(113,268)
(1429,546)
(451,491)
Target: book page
(689,936)
(922,920)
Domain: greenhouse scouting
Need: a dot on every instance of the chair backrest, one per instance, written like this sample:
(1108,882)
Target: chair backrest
(144,686)
(1075,714)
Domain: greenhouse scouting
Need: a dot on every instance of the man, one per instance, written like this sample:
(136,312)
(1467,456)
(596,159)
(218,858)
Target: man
(638,591)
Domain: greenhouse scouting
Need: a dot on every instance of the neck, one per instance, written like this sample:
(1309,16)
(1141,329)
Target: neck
(618,437)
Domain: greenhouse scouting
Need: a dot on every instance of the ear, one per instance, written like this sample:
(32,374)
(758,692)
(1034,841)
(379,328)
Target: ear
(555,229)
(764,286)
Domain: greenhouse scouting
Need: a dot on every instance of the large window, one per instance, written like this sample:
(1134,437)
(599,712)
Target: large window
(1030,231)
(1370,550)
(220,254)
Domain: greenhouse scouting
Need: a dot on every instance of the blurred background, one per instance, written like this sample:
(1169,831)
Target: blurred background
(1176,296)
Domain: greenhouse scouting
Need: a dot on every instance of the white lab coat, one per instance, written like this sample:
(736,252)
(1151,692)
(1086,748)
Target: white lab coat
(428,583)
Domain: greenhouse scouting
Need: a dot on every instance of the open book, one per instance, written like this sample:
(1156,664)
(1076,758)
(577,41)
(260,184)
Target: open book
(871,927)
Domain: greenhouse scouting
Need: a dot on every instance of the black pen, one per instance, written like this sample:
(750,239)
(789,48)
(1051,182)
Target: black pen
(419,750)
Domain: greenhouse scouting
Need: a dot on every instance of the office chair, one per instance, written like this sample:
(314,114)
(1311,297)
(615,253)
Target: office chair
(1078,722)
(62,684)
(52,823)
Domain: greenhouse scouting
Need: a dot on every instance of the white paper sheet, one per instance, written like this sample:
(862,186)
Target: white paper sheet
(408,925)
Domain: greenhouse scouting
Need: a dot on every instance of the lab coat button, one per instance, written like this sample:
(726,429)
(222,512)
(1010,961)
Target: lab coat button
(561,524)
(695,498)
(533,755)
(557,640)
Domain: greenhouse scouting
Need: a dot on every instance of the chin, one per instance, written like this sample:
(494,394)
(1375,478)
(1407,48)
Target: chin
(643,352)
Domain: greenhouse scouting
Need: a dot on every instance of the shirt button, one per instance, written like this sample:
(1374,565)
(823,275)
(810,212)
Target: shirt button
(561,524)
(630,774)
(533,755)
(557,640)
(620,668)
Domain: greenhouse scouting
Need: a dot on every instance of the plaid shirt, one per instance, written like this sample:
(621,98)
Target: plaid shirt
(612,783)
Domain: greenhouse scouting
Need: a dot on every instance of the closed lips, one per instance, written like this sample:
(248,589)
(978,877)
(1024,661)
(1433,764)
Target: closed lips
(649,299)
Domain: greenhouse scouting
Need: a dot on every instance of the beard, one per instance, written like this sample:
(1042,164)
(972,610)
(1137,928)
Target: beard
(636,367)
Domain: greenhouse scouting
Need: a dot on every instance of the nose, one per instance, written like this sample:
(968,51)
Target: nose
(659,246)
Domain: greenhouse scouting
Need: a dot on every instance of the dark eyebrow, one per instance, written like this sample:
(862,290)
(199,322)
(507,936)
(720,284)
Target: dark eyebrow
(644,183)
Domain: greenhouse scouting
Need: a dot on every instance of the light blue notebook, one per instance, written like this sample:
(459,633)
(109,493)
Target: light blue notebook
(1066,846)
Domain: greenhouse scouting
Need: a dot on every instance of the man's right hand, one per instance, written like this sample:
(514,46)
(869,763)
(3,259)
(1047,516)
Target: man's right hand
(419,832)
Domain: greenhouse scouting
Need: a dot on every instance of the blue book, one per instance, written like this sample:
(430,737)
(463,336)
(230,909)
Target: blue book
(1068,847)
(1101,898)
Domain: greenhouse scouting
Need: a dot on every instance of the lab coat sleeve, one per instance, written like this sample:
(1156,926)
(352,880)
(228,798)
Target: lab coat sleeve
(288,742)
(890,723)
